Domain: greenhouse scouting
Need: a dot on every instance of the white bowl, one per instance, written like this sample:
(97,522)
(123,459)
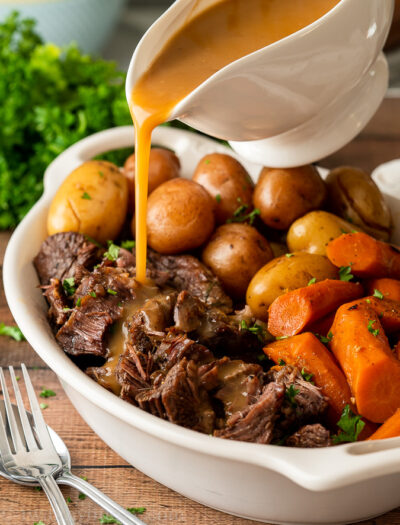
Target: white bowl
(263,482)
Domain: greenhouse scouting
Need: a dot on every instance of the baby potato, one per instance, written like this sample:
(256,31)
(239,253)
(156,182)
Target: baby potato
(284,274)
(227,182)
(312,232)
(235,253)
(354,196)
(284,195)
(93,200)
(180,216)
(163,165)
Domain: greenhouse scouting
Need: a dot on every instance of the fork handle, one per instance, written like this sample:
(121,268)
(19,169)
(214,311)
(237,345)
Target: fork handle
(118,512)
(57,501)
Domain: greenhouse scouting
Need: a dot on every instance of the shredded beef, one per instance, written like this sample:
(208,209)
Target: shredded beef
(256,423)
(175,346)
(59,308)
(310,436)
(63,254)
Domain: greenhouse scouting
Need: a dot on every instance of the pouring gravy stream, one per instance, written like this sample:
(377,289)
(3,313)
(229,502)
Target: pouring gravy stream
(209,41)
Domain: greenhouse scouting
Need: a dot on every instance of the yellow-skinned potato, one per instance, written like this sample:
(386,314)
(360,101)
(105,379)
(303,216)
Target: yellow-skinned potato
(315,230)
(284,274)
(234,254)
(93,200)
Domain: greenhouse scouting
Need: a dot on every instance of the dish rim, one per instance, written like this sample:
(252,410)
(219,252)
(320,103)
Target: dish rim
(313,469)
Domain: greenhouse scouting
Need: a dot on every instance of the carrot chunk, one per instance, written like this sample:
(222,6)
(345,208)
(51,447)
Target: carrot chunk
(366,256)
(388,288)
(306,351)
(362,349)
(294,311)
(387,310)
(389,429)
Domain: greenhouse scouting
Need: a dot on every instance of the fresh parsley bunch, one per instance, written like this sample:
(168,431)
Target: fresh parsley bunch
(49,99)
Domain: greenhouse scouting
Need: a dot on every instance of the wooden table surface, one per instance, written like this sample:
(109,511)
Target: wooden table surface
(379,143)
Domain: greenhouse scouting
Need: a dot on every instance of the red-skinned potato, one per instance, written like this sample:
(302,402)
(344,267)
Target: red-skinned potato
(180,216)
(228,183)
(163,165)
(234,254)
(284,194)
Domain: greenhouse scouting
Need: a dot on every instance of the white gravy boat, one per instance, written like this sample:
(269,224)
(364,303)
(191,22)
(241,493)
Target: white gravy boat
(294,101)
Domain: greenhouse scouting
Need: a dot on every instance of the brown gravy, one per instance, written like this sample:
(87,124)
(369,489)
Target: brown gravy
(216,37)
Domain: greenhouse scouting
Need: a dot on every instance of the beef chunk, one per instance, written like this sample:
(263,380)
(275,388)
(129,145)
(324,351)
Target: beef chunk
(63,254)
(310,436)
(180,398)
(85,330)
(256,423)
(304,402)
(54,293)
(185,272)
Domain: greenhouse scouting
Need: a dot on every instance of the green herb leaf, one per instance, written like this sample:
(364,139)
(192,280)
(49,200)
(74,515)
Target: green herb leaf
(68,499)
(255,329)
(11,331)
(281,362)
(111,292)
(113,251)
(306,376)
(312,281)
(136,510)
(85,195)
(69,286)
(47,393)
(326,339)
(288,255)
(82,496)
(43,406)
(378,294)
(280,337)
(345,273)
(351,426)
(371,329)
(38,489)
(84,478)
(92,294)
(39,523)
(79,302)
(218,197)
(240,215)
(261,358)
(291,393)
(128,245)
(106,518)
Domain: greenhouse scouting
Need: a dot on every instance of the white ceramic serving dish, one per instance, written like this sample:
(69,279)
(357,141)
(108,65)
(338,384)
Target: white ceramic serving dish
(295,101)
(263,482)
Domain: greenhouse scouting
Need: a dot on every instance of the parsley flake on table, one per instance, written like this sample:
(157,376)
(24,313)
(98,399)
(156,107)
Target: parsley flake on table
(68,499)
(82,496)
(106,518)
(136,510)
(350,424)
(345,273)
(11,331)
(47,393)
(371,329)
(69,286)
(378,294)
(85,195)
(39,523)
(43,406)
(113,251)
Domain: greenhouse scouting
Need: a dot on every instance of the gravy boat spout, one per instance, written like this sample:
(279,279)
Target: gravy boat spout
(294,87)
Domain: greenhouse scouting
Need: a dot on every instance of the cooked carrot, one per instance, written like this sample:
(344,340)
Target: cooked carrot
(389,429)
(366,256)
(322,326)
(387,310)
(362,349)
(389,288)
(396,349)
(294,311)
(306,351)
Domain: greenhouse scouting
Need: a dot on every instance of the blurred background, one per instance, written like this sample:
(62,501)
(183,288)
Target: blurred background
(112,28)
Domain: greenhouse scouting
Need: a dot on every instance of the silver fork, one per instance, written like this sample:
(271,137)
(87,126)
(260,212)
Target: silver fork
(33,453)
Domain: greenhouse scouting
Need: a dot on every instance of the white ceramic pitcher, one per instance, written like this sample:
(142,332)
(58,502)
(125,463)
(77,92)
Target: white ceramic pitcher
(294,101)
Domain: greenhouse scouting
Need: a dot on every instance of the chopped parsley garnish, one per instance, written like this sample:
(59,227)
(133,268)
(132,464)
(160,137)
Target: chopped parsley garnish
(281,362)
(306,376)
(18,378)
(67,309)
(326,339)
(241,215)
(312,281)
(69,286)
(280,337)
(11,331)
(112,252)
(47,393)
(38,489)
(82,496)
(261,358)
(291,393)
(207,161)
(345,273)
(256,329)
(101,174)
(92,294)
(111,292)
(288,255)
(79,302)
(85,195)
(84,478)
(43,406)
(106,518)
(371,329)
(128,245)
(368,301)
(378,294)
(350,424)
(218,197)
(39,522)
(68,499)
(136,510)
